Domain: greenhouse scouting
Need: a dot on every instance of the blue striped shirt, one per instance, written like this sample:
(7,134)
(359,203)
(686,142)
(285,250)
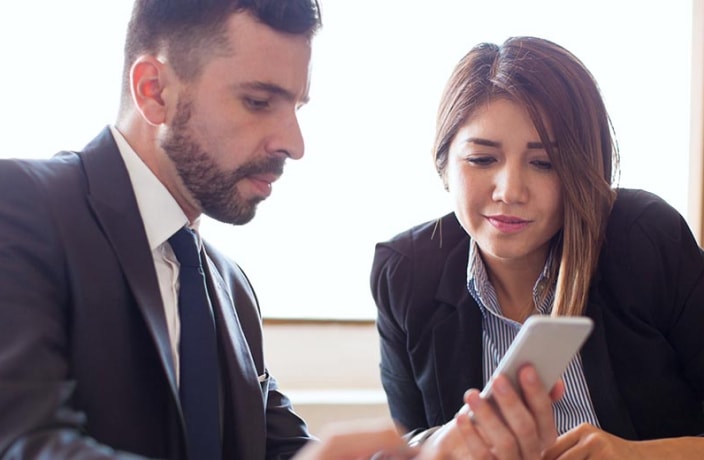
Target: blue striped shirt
(498,332)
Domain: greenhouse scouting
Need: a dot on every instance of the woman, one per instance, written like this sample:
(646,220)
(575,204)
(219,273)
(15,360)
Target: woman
(525,148)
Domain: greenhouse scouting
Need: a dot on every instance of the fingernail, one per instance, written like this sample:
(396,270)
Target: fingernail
(531,376)
(473,400)
(501,386)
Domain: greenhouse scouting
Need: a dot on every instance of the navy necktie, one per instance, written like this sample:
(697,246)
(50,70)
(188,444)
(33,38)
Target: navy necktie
(198,387)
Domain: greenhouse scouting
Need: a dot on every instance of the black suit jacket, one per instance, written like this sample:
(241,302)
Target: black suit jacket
(85,362)
(644,361)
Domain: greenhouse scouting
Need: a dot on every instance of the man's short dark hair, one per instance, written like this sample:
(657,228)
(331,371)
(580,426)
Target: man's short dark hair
(190,31)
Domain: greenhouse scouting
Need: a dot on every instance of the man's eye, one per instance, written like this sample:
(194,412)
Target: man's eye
(256,104)
(481,161)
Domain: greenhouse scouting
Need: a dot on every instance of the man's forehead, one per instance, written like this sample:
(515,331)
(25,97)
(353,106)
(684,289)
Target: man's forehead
(266,59)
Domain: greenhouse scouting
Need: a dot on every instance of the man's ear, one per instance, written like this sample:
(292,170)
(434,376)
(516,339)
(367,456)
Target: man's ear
(149,78)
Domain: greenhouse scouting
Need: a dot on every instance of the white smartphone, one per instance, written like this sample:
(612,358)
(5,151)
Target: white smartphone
(548,343)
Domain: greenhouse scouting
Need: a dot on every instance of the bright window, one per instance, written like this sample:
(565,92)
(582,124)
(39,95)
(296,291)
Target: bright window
(379,67)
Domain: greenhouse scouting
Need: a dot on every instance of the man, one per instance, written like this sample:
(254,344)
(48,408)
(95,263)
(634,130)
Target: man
(92,356)
(91,363)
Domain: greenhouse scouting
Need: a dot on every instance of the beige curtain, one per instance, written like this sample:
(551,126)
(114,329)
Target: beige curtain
(696,170)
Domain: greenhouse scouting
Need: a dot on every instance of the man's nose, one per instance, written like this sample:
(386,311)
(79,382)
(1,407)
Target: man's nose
(288,139)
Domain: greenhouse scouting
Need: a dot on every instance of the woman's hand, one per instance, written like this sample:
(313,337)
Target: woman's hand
(457,439)
(588,442)
(505,428)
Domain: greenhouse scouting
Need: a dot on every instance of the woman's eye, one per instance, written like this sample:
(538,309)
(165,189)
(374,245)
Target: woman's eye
(542,164)
(481,161)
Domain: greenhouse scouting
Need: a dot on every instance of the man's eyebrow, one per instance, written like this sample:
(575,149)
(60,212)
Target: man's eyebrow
(274,90)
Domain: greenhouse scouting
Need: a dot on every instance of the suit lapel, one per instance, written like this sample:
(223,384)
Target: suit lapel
(244,393)
(112,199)
(457,339)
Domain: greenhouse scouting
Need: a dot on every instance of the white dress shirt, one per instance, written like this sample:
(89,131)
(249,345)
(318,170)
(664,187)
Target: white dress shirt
(162,217)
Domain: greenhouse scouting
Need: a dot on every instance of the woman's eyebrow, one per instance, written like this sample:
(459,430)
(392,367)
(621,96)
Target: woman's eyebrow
(489,143)
(540,145)
(484,142)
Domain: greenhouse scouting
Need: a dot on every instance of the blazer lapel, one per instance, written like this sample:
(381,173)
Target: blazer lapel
(458,348)
(608,404)
(112,199)
(457,339)
(244,393)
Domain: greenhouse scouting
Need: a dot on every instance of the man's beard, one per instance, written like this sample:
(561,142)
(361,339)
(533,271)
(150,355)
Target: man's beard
(214,190)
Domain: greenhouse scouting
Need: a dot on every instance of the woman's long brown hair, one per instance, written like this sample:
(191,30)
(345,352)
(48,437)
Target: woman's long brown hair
(558,91)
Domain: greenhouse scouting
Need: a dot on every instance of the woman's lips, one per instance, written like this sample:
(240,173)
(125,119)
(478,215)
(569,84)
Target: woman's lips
(508,224)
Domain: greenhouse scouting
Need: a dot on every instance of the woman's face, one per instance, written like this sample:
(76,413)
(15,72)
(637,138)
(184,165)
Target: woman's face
(504,190)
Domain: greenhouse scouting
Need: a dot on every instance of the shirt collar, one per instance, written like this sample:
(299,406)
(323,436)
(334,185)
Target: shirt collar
(482,290)
(161,214)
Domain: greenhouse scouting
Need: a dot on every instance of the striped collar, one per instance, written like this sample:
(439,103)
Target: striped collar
(483,292)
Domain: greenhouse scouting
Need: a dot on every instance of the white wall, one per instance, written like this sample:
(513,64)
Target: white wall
(378,69)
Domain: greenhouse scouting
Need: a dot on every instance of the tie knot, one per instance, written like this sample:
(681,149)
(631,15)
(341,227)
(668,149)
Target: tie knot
(185,245)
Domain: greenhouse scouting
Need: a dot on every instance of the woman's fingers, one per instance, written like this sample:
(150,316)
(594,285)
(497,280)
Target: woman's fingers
(515,426)
(539,402)
(492,427)
(457,439)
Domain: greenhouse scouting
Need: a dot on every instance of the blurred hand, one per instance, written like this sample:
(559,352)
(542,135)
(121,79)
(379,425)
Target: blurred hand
(358,440)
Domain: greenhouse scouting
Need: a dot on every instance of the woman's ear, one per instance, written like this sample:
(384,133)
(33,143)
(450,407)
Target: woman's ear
(149,78)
